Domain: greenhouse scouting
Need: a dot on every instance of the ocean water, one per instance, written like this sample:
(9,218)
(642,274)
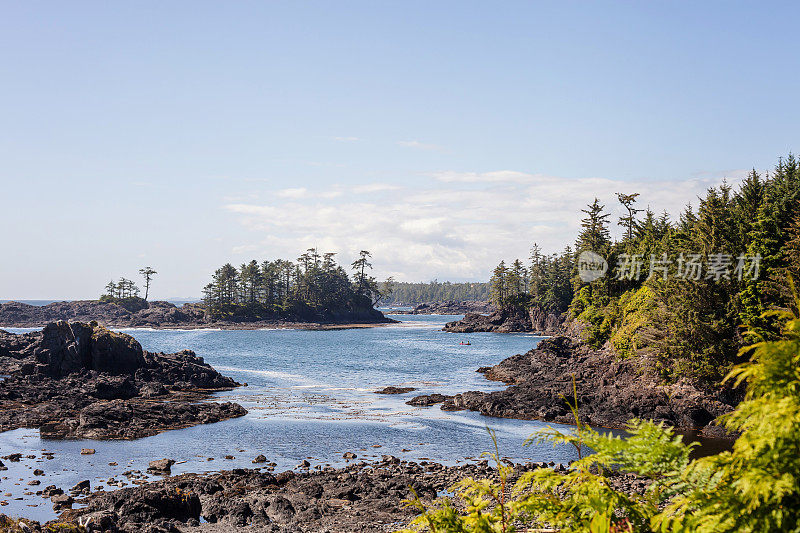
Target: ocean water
(310,395)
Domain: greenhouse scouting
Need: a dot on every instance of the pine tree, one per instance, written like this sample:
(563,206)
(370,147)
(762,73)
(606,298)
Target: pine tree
(594,235)
(628,221)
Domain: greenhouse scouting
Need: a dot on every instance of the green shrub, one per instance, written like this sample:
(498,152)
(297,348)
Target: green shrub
(635,308)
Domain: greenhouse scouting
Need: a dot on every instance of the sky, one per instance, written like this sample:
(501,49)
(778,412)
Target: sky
(441,136)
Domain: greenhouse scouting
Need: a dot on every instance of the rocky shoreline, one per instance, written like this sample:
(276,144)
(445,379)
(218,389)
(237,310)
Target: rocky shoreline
(76,381)
(610,391)
(360,497)
(510,320)
(161,315)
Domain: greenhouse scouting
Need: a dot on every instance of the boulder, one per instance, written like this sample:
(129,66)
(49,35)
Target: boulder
(161,466)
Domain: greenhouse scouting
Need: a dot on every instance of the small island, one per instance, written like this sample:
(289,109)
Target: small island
(313,293)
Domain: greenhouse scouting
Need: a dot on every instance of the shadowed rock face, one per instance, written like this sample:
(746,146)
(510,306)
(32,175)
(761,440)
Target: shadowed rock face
(66,348)
(76,380)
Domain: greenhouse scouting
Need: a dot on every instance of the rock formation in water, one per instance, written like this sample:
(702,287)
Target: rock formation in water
(610,391)
(509,320)
(76,380)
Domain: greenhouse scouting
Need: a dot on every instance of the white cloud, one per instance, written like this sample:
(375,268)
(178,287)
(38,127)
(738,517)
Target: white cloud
(375,187)
(298,192)
(447,229)
(484,177)
(420,145)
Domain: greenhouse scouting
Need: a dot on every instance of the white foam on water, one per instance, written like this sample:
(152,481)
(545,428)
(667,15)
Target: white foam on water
(271,374)
(186,330)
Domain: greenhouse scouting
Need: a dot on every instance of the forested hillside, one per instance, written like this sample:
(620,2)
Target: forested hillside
(679,292)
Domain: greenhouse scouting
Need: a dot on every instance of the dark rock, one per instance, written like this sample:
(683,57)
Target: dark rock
(114,387)
(610,391)
(395,390)
(361,497)
(161,466)
(427,400)
(81,486)
(509,320)
(74,380)
(260,459)
(61,501)
(51,490)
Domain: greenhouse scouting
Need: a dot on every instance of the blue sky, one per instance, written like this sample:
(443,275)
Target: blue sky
(443,136)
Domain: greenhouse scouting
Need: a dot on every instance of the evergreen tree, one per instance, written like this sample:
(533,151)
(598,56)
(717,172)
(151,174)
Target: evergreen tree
(147,273)
(628,221)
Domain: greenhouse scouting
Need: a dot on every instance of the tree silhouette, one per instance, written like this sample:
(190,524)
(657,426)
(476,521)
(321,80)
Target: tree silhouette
(147,273)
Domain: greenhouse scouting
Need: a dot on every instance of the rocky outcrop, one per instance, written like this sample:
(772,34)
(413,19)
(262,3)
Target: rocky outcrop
(610,391)
(451,308)
(509,320)
(164,315)
(155,314)
(76,380)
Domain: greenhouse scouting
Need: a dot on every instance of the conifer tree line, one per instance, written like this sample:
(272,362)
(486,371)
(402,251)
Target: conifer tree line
(314,285)
(410,293)
(643,306)
(121,289)
(544,283)
(124,289)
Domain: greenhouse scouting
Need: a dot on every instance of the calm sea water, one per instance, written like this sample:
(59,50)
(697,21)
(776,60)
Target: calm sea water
(310,394)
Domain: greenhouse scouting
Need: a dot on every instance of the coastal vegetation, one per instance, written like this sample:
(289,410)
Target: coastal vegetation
(125,292)
(680,292)
(314,287)
(753,487)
